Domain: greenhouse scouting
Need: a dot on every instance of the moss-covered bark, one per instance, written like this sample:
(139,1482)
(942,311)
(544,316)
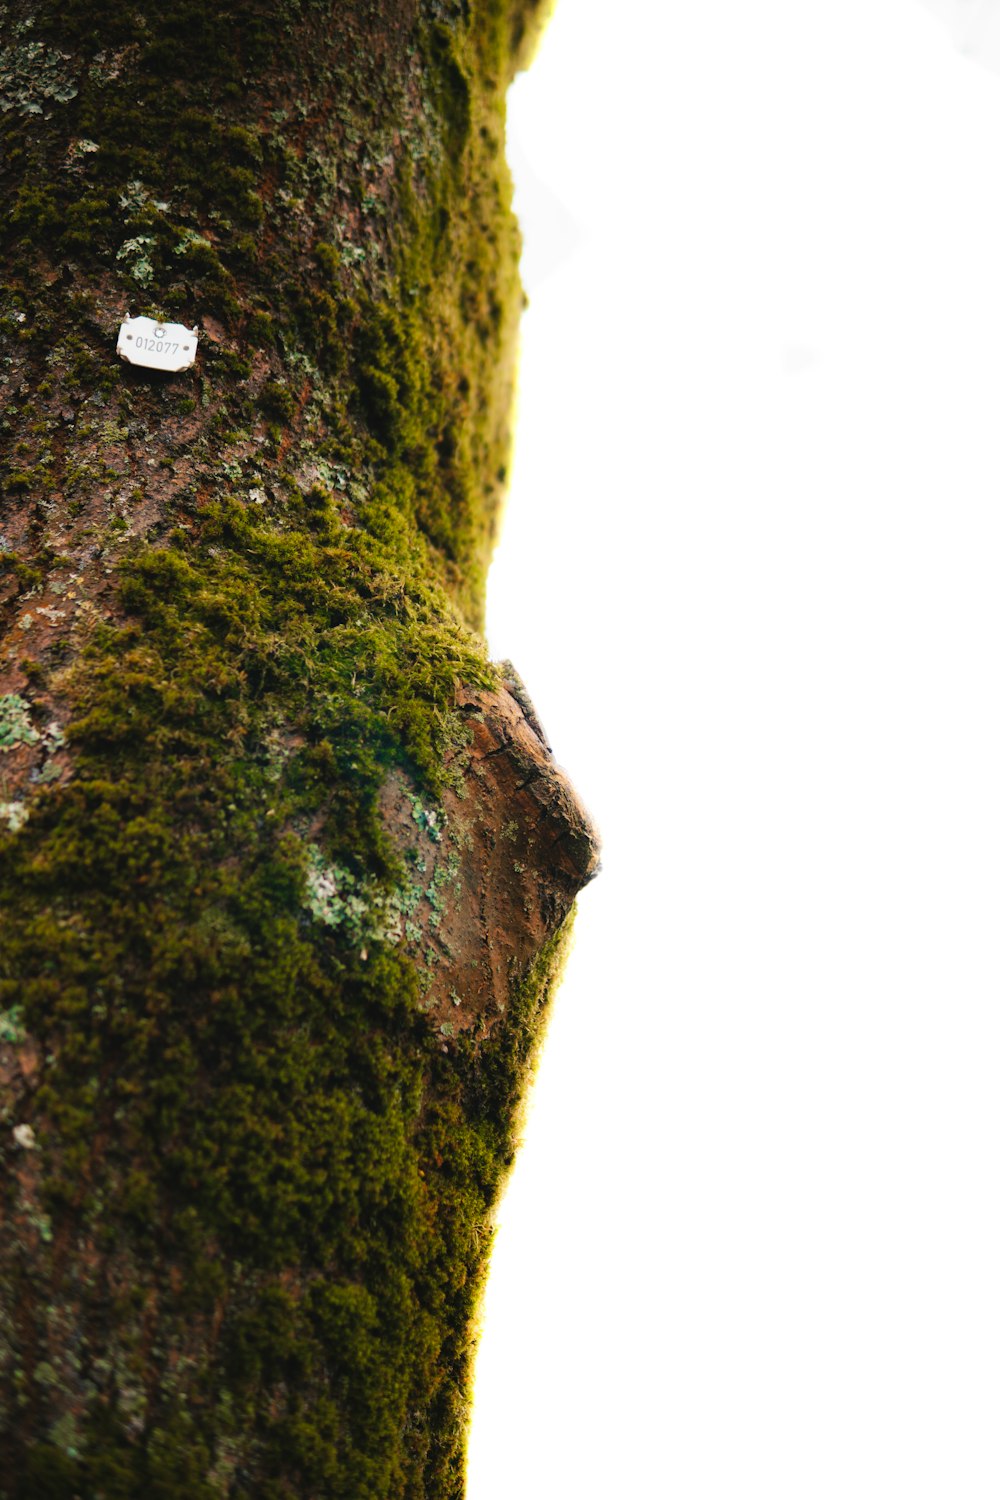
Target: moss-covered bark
(284,864)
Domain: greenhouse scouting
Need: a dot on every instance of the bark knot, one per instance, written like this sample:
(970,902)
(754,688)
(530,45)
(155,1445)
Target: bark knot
(502,870)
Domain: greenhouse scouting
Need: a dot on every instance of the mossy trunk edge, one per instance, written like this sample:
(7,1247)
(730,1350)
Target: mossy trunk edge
(286,866)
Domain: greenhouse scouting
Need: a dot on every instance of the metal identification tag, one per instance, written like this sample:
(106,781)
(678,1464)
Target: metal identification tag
(158,346)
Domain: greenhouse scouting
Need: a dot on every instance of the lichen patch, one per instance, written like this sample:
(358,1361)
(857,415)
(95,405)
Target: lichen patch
(15,722)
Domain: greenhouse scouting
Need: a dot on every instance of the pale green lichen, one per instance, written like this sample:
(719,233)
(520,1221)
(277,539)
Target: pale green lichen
(13,815)
(427,819)
(190,240)
(12,1026)
(364,911)
(134,254)
(33,75)
(15,723)
(446,873)
(135,198)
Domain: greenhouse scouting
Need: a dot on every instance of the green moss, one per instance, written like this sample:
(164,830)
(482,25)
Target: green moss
(18,481)
(181,874)
(320,1126)
(276,402)
(282,1181)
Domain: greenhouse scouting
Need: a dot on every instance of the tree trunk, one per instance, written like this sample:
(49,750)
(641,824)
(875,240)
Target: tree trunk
(284,860)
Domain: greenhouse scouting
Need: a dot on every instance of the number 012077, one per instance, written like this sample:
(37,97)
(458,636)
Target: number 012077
(161,346)
(169,347)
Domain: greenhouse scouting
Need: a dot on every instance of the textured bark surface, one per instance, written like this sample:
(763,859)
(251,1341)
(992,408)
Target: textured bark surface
(285,863)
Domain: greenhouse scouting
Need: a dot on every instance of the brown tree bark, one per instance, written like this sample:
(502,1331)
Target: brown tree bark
(285,862)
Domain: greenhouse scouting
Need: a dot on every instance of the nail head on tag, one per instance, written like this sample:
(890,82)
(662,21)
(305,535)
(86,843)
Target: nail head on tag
(157,346)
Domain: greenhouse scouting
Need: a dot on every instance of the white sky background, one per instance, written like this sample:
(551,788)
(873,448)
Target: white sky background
(751,575)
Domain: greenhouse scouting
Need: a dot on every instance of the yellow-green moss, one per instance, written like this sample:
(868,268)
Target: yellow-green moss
(242,1112)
